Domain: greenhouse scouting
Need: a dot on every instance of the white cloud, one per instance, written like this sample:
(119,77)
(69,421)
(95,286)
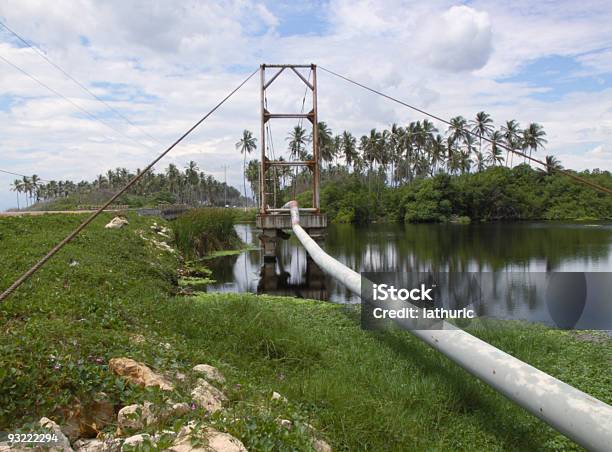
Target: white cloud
(460,39)
(174,61)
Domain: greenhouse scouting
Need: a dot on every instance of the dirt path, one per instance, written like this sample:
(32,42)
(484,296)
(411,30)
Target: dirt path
(43,212)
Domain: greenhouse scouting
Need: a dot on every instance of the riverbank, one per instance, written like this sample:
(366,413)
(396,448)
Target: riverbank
(494,194)
(112,293)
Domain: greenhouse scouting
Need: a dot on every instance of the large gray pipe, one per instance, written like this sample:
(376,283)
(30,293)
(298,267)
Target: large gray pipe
(584,419)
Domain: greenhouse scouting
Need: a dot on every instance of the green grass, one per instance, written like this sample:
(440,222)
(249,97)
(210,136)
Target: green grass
(361,390)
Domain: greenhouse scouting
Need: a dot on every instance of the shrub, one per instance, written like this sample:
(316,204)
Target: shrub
(202,231)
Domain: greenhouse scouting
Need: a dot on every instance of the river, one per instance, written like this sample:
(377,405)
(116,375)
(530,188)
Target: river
(491,248)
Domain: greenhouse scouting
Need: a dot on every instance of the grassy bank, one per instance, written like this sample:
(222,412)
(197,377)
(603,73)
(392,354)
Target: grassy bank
(361,390)
(200,232)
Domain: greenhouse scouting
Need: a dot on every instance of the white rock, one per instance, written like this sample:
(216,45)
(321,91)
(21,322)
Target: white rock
(210,373)
(207,396)
(178,409)
(96,445)
(63,444)
(215,441)
(135,416)
(321,446)
(223,442)
(277,396)
(286,423)
(136,440)
(117,223)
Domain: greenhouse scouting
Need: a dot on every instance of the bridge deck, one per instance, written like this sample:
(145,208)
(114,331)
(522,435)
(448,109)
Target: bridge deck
(308,220)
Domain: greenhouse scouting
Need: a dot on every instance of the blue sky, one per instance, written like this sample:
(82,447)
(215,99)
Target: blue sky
(162,64)
(556,76)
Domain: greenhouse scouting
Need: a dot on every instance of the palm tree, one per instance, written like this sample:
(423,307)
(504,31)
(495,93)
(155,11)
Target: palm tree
(533,138)
(297,142)
(27,188)
(246,145)
(482,126)
(17,188)
(348,146)
(437,151)
(326,142)
(35,185)
(192,178)
(480,161)
(512,137)
(552,164)
(252,175)
(495,154)
(466,161)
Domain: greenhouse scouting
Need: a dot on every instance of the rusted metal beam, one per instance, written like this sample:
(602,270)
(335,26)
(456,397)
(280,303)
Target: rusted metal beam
(262,143)
(308,84)
(269,82)
(288,115)
(286,65)
(579,416)
(316,177)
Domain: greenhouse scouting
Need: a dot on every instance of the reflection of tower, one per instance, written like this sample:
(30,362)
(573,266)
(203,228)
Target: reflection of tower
(274,280)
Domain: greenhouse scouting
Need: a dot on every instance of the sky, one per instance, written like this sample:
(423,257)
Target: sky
(163,65)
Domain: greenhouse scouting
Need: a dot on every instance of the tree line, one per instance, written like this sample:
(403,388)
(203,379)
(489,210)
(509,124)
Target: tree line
(401,154)
(188,186)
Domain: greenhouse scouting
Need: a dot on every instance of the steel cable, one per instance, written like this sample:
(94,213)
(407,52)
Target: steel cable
(19,281)
(503,146)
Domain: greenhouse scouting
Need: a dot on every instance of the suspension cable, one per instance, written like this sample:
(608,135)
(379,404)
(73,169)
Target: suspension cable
(70,101)
(501,145)
(21,175)
(19,281)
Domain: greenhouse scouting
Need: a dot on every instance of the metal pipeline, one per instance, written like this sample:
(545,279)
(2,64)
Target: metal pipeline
(575,414)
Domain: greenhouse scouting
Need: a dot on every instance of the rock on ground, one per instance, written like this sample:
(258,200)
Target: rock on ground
(136,440)
(63,444)
(97,445)
(117,223)
(210,373)
(214,441)
(278,397)
(138,373)
(87,420)
(138,416)
(207,396)
(135,416)
(321,446)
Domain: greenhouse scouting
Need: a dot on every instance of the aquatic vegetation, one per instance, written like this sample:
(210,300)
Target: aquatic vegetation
(199,232)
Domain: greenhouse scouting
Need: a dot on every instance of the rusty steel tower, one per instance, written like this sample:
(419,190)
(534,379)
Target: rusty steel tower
(272,220)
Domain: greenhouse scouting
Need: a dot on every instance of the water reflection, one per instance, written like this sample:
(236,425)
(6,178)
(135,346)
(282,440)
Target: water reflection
(497,248)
